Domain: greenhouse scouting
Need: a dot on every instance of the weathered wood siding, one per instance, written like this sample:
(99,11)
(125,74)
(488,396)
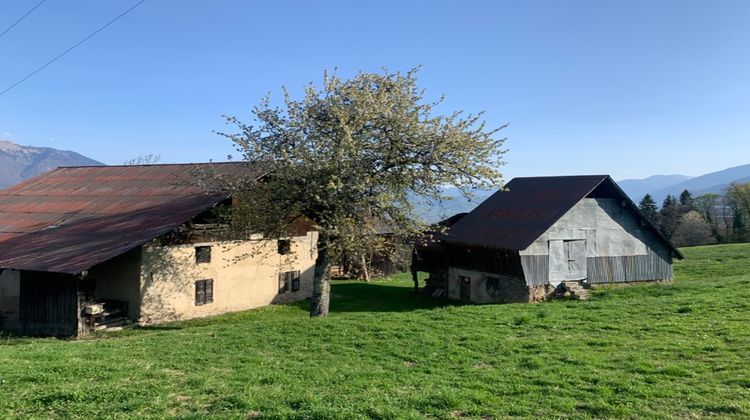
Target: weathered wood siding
(49,304)
(9,299)
(629,268)
(536,269)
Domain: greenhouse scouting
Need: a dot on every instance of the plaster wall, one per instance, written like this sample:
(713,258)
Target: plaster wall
(244,273)
(119,278)
(10,292)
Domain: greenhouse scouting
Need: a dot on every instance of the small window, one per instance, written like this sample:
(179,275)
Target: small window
(204,292)
(287,280)
(285,246)
(202,254)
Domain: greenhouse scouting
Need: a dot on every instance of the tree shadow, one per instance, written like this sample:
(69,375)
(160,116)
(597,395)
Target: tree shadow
(159,327)
(374,297)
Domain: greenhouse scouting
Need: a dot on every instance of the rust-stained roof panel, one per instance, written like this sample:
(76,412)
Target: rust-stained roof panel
(70,219)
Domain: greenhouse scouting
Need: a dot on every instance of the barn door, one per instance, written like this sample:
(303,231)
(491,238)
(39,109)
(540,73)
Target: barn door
(576,251)
(567,260)
(48,304)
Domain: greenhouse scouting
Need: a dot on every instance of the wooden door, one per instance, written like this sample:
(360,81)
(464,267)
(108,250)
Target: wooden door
(567,260)
(465,283)
(576,254)
(49,304)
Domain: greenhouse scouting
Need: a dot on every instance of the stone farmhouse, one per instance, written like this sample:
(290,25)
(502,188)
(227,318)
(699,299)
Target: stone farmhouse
(90,248)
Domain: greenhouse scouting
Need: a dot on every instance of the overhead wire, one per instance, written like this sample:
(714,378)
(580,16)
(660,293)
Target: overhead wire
(21,19)
(77,44)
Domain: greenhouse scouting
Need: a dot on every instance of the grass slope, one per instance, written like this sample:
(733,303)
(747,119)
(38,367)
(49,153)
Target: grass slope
(645,351)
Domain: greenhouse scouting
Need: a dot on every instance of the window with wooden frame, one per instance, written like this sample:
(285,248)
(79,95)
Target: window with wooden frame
(204,292)
(285,246)
(202,254)
(295,281)
(288,280)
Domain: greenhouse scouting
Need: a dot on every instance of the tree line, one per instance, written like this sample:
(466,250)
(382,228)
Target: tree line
(706,219)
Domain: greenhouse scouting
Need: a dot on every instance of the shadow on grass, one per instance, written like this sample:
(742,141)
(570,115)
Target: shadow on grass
(13,338)
(160,327)
(374,297)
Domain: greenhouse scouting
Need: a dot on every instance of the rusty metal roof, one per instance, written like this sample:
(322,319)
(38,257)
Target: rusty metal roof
(525,208)
(72,218)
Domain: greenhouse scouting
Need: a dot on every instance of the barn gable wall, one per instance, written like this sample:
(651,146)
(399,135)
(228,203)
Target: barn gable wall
(618,247)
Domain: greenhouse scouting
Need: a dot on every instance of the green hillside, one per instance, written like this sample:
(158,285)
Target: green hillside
(677,350)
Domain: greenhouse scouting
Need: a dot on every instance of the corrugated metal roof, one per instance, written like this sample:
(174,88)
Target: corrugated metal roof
(70,219)
(517,215)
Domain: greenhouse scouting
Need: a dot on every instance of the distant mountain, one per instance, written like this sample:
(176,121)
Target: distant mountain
(661,185)
(658,186)
(637,188)
(459,204)
(18,163)
(715,182)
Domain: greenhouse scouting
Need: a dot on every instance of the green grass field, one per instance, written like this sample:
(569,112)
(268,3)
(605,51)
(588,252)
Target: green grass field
(679,350)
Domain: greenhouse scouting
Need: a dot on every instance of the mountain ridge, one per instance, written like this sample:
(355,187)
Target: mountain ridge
(712,182)
(19,163)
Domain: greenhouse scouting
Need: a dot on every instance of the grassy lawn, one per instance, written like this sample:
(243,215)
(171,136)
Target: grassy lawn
(679,350)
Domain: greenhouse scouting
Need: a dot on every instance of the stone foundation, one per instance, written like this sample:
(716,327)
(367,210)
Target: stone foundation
(630,283)
(541,292)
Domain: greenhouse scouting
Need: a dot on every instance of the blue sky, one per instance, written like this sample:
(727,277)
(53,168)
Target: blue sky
(629,88)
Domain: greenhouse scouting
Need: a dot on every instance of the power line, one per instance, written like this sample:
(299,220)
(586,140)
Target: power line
(20,19)
(103,27)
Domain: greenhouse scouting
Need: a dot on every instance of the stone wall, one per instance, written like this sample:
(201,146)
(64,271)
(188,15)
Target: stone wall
(495,288)
(245,275)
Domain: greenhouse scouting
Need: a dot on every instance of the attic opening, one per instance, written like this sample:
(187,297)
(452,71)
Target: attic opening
(215,216)
(208,226)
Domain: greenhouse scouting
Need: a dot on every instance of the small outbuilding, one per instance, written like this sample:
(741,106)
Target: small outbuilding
(541,234)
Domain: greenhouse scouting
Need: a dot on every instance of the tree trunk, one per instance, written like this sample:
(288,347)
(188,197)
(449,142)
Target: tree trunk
(321,295)
(413,269)
(365,272)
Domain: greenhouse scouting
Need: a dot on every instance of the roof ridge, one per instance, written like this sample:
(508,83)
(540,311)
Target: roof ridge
(153,164)
(562,176)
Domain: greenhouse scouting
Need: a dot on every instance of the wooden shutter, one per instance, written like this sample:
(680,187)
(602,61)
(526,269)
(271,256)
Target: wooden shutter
(200,292)
(282,283)
(295,281)
(204,292)
(209,293)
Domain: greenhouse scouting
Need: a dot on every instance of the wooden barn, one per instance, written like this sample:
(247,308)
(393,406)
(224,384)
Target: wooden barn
(89,248)
(542,236)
